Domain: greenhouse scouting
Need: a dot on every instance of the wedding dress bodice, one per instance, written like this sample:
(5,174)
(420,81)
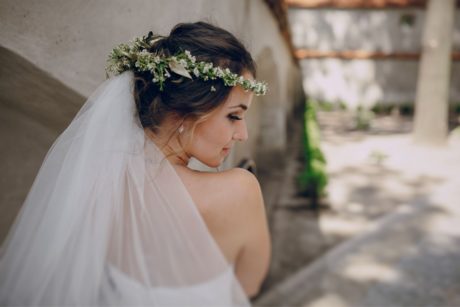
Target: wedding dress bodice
(121,289)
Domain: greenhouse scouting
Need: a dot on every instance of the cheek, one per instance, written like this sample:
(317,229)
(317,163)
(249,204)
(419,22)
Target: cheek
(216,135)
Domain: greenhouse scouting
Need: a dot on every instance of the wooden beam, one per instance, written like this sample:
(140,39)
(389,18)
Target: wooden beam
(355,4)
(361,54)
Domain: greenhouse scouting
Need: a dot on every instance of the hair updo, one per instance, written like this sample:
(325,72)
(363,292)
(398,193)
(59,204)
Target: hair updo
(183,97)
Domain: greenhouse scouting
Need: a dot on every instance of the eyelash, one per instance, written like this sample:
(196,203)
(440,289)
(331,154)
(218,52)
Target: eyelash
(233,117)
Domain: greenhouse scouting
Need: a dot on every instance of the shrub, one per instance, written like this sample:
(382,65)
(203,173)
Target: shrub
(313,178)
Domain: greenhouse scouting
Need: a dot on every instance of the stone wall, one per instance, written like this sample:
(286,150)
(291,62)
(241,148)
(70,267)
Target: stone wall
(64,45)
(364,81)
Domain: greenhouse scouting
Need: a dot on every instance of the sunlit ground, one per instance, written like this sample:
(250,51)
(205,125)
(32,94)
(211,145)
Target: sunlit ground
(391,234)
(373,172)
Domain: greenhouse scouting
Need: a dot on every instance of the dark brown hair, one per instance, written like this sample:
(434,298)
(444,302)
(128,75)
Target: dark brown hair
(184,97)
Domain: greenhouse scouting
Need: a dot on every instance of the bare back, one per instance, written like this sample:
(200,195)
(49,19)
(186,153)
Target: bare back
(231,205)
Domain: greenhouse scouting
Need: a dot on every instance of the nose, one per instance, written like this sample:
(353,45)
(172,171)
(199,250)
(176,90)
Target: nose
(241,132)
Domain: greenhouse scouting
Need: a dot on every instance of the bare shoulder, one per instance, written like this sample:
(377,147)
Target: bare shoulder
(240,195)
(233,187)
(238,180)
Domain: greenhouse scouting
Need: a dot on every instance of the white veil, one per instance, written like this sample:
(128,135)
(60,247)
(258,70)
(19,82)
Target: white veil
(108,222)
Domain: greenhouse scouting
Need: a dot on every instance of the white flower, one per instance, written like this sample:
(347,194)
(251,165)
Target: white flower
(213,89)
(190,56)
(219,72)
(207,67)
(196,72)
(183,63)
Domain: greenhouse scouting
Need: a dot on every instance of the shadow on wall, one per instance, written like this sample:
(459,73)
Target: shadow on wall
(34,109)
(271,142)
(362,81)
(265,119)
(370,30)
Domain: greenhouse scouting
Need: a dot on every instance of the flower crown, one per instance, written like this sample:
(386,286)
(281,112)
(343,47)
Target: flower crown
(135,56)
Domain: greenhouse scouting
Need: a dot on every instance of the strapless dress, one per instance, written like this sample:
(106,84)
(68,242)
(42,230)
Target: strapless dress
(120,289)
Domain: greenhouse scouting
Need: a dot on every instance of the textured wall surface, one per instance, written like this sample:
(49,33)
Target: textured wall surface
(65,45)
(364,81)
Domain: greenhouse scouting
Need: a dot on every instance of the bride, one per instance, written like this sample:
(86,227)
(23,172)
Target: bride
(115,216)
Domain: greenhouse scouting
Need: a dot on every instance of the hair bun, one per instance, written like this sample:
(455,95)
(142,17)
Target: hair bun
(188,90)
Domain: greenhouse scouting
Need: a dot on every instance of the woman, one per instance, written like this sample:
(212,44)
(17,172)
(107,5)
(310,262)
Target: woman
(115,216)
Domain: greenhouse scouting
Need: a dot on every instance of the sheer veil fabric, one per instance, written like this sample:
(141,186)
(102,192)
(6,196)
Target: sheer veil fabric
(109,222)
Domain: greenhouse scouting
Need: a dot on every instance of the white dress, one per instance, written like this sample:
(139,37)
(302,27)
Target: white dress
(121,290)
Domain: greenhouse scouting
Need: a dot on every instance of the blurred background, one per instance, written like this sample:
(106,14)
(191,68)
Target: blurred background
(356,145)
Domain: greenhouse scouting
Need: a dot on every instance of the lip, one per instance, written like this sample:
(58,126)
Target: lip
(226,150)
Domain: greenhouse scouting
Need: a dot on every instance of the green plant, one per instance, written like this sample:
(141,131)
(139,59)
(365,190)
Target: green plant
(327,106)
(382,109)
(343,106)
(313,179)
(456,108)
(323,105)
(363,118)
(406,109)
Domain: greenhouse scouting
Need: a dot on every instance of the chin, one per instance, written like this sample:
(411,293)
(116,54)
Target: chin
(212,163)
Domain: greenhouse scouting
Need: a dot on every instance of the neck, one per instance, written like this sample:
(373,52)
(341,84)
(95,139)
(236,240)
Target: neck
(169,144)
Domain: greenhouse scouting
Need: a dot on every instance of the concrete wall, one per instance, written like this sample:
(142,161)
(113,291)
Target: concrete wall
(364,82)
(66,44)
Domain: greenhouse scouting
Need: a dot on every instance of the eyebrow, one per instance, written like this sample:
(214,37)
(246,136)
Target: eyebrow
(243,106)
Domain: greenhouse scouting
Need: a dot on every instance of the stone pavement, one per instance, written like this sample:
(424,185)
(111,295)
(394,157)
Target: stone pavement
(395,214)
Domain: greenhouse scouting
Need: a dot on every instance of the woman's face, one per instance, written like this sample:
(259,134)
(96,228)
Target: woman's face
(216,135)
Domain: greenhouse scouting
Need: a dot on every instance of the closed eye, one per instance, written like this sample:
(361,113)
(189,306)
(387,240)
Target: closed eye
(234,117)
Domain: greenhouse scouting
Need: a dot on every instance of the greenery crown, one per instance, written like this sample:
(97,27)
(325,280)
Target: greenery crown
(136,56)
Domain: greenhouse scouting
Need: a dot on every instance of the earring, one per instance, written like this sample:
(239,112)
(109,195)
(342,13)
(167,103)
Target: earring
(181,129)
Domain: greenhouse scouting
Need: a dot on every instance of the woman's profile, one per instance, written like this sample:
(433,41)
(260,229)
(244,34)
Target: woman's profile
(116,217)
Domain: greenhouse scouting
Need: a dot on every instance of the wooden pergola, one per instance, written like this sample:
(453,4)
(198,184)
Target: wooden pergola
(302,53)
(357,4)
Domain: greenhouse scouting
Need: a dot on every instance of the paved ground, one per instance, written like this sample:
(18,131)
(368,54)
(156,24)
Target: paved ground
(390,236)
